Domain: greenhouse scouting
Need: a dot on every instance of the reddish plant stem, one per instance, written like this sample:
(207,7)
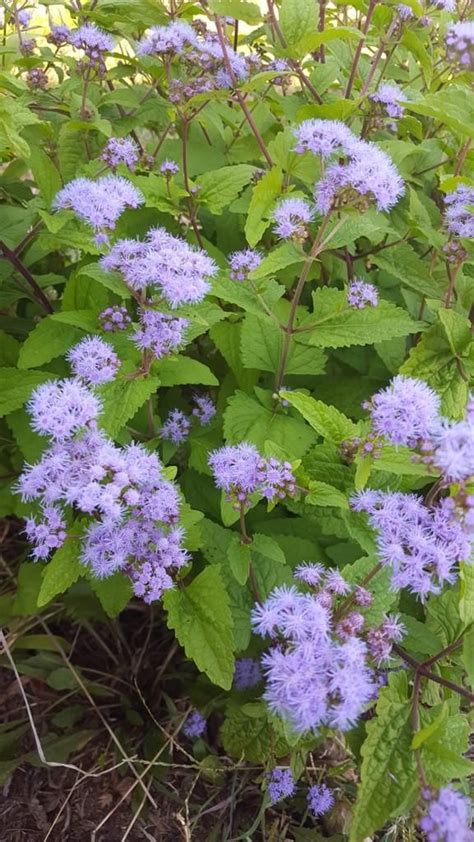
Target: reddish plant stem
(378,56)
(15,261)
(423,671)
(349,601)
(246,539)
(321,25)
(191,206)
(239,97)
(293,63)
(358,51)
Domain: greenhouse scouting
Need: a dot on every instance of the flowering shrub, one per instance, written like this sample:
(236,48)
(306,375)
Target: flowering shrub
(236,323)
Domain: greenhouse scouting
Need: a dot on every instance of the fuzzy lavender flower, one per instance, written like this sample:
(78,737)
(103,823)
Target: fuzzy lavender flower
(390,96)
(163,554)
(160,333)
(204,409)
(121,150)
(311,573)
(459,213)
(59,34)
(242,263)
(169,168)
(422,546)
(460,44)
(37,79)
(405,411)
(99,203)
(361,294)
(292,217)
(60,408)
(91,39)
(452,448)
(240,471)
(446,5)
(405,12)
(167,39)
(322,137)
(247,673)
(48,534)
(114,319)
(281,784)
(195,725)
(312,678)
(23,17)
(94,360)
(380,640)
(176,427)
(320,799)
(180,271)
(448,818)
(368,174)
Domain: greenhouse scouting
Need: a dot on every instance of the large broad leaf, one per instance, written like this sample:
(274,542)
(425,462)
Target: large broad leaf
(237,9)
(184,370)
(284,255)
(297,20)
(219,188)
(402,262)
(336,325)
(114,592)
(247,731)
(246,418)
(326,420)
(121,399)
(62,571)
(48,340)
(249,299)
(388,772)
(262,342)
(201,618)
(262,202)
(16,387)
(453,107)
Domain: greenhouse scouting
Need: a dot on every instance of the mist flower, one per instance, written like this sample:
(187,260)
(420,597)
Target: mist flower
(94,360)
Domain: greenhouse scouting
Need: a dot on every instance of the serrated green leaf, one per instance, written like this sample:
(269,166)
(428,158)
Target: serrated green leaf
(246,418)
(184,370)
(219,188)
(201,618)
(16,387)
(248,732)
(114,592)
(297,20)
(48,340)
(326,420)
(323,494)
(238,555)
(62,571)
(121,399)
(263,199)
(238,9)
(262,342)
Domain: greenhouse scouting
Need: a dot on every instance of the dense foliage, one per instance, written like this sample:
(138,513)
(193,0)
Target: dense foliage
(236,347)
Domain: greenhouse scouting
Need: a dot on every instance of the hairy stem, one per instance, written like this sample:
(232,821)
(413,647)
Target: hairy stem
(15,261)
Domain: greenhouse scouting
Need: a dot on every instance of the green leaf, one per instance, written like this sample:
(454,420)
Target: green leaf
(297,20)
(457,329)
(175,371)
(239,558)
(264,195)
(110,280)
(338,326)
(220,187)
(284,255)
(238,9)
(326,420)
(16,387)
(121,399)
(246,418)
(28,585)
(62,571)
(45,173)
(431,359)
(399,461)
(402,262)
(201,618)
(249,300)
(248,732)
(323,494)
(262,342)
(48,340)
(466,600)
(453,107)
(388,771)
(267,548)
(114,592)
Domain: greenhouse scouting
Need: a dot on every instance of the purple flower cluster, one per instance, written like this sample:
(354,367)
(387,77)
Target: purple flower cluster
(281,784)
(37,79)
(94,360)
(114,319)
(195,725)
(380,640)
(48,534)
(59,34)
(459,219)
(460,44)
(320,799)
(405,12)
(366,172)
(135,508)
(247,673)
(422,546)
(99,203)
(242,263)
(448,817)
(361,294)
(169,168)
(405,411)
(292,216)
(180,271)
(202,52)
(204,409)
(160,333)
(450,448)
(91,39)
(120,150)
(390,96)
(240,470)
(176,427)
